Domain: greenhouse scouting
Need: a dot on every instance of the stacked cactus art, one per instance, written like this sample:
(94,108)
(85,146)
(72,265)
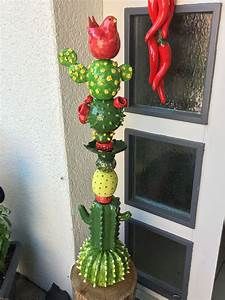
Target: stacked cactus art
(103,259)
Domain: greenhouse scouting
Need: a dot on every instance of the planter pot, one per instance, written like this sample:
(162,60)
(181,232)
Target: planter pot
(7,289)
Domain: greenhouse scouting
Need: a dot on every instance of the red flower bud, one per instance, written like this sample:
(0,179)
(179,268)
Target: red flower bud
(120,102)
(83,111)
(89,99)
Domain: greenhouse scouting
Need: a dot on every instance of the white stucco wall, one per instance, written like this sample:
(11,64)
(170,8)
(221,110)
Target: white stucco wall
(32,153)
(71,19)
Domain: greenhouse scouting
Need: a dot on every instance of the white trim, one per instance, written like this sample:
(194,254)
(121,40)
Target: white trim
(211,207)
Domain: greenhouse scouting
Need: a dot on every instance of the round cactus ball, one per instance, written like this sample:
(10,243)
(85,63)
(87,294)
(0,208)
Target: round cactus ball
(103,79)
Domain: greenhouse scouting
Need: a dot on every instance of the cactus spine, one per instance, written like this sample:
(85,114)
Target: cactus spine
(103,259)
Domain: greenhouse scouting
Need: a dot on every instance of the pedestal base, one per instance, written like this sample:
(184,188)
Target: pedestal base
(123,290)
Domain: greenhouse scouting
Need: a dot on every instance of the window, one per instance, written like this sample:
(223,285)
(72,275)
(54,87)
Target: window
(163,175)
(162,260)
(193,36)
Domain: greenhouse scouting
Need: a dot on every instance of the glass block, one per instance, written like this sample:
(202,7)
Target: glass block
(160,257)
(184,84)
(164,173)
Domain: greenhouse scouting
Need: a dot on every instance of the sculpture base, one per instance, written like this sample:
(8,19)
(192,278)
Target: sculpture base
(123,290)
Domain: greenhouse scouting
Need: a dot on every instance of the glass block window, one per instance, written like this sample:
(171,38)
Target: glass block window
(163,175)
(193,33)
(162,259)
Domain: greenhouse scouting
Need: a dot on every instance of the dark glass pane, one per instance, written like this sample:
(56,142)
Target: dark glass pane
(189,39)
(219,286)
(156,255)
(164,173)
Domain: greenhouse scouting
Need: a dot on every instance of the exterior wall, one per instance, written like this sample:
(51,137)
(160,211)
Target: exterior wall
(32,154)
(211,206)
(71,27)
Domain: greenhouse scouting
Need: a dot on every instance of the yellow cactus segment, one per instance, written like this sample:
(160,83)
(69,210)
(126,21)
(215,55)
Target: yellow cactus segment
(104,183)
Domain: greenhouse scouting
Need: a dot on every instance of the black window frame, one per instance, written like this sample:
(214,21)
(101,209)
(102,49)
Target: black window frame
(148,206)
(155,284)
(192,117)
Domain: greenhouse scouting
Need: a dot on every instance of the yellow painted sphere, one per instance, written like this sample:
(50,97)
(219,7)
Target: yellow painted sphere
(104,183)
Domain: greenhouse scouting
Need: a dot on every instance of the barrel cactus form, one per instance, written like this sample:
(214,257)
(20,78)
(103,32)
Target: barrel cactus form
(103,260)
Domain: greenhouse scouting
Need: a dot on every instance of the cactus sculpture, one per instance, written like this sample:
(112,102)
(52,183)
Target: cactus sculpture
(103,259)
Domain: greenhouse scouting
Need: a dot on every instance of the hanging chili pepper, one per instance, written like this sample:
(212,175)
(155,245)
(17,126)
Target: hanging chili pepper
(152,43)
(153,58)
(161,92)
(166,25)
(153,10)
(165,57)
(163,12)
(160,13)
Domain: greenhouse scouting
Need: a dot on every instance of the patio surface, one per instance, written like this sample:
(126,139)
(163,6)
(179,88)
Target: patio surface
(27,290)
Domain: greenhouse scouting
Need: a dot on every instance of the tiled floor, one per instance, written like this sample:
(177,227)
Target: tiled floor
(219,285)
(219,288)
(26,290)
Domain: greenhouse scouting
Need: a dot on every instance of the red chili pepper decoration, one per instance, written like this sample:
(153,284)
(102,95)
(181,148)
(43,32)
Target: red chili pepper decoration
(161,92)
(153,58)
(160,13)
(163,11)
(165,27)
(153,9)
(165,62)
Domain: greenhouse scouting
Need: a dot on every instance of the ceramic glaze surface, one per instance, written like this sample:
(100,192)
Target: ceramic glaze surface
(103,259)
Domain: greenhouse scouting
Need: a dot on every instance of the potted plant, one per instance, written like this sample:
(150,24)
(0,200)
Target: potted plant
(9,254)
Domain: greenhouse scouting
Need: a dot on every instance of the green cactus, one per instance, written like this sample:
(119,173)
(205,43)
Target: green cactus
(106,161)
(125,72)
(103,259)
(104,117)
(103,250)
(67,57)
(103,77)
(78,73)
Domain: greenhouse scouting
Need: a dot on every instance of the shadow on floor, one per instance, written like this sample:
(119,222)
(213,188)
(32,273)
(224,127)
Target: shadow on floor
(27,290)
(219,284)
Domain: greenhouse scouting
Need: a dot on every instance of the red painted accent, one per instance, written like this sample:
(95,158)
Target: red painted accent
(163,12)
(104,41)
(103,200)
(83,111)
(104,146)
(84,108)
(153,53)
(88,99)
(120,102)
(165,56)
